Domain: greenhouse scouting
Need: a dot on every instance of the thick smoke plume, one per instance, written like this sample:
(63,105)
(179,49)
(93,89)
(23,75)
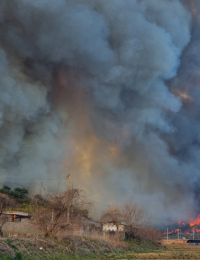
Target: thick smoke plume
(108,91)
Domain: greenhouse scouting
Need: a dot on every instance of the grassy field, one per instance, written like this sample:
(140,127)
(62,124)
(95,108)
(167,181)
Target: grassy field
(173,250)
(28,249)
(71,247)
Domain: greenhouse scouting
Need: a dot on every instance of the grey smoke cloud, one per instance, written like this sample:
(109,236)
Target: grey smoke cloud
(105,90)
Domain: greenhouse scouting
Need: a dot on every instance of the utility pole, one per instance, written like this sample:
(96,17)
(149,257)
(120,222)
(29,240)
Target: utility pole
(52,218)
(178,234)
(193,233)
(167,234)
(68,176)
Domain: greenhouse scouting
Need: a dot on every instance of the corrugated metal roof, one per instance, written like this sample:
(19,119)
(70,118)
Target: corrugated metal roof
(18,213)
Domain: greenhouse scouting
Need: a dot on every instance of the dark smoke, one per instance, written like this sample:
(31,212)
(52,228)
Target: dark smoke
(108,91)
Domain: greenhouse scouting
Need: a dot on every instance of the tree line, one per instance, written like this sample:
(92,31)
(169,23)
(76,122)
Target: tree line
(52,214)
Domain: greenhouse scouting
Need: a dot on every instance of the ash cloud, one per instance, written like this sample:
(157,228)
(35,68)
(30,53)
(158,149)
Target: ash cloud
(107,91)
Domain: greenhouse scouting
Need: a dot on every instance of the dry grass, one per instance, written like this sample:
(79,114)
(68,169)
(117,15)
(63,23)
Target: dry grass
(168,242)
(81,247)
(73,247)
(173,251)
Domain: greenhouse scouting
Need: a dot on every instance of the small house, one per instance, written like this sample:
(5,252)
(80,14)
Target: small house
(110,226)
(16,216)
(114,230)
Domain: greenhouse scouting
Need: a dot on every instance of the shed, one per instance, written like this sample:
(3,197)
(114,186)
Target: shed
(16,216)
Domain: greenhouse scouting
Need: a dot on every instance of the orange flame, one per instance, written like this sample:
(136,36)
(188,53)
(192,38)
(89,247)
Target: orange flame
(196,222)
(165,233)
(194,227)
(181,223)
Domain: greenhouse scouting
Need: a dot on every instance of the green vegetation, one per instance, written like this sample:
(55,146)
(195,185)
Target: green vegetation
(19,194)
(73,247)
(8,241)
(20,257)
(48,258)
(143,246)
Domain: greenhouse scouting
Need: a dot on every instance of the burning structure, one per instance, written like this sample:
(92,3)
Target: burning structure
(107,91)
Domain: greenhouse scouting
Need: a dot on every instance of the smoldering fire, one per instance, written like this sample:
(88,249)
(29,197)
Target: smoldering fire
(105,90)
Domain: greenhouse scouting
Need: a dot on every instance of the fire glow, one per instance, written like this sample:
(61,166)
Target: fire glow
(183,95)
(193,226)
(196,222)
(187,229)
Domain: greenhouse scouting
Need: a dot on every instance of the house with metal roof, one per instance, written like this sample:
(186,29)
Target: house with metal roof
(16,216)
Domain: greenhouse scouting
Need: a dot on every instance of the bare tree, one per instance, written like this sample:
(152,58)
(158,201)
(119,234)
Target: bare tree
(113,215)
(135,218)
(149,233)
(57,211)
(5,202)
(129,213)
(133,215)
(137,225)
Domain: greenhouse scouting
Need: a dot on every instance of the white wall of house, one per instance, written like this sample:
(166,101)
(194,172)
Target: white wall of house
(112,227)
